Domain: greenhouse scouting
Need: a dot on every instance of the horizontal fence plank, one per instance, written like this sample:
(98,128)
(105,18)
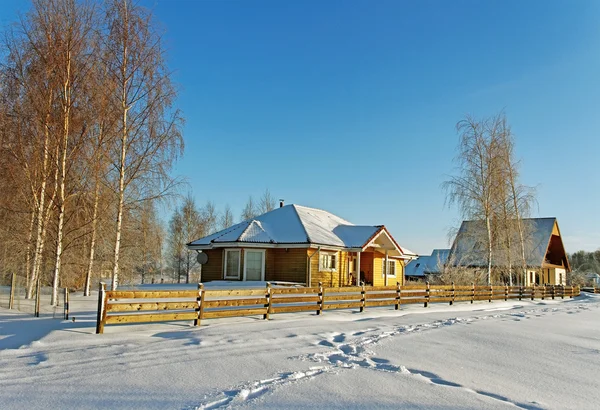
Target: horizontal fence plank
(154,294)
(294,291)
(292,309)
(298,299)
(462,298)
(348,289)
(414,287)
(440,299)
(234,302)
(349,305)
(380,288)
(380,295)
(212,314)
(352,296)
(404,301)
(413,294)
(152,317)
(145,306)
(389,302)
(235,292)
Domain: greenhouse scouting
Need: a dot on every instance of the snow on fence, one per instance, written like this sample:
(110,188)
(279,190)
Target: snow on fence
(134,306)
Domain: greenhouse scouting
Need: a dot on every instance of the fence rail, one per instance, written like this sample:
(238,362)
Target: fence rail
(14,296)
(126,307)
(590,289)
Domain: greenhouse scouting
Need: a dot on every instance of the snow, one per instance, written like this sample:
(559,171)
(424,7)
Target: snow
(525,354)
(293,224)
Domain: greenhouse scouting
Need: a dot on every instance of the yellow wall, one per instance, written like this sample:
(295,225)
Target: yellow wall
(336,278)
(291,266)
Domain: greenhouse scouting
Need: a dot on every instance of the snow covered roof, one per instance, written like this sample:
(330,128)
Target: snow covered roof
(468,248)
(427,264)
(294,224)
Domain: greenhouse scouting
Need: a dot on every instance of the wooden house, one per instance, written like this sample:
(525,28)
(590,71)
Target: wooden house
(545,255)
(426,265)
(295,243)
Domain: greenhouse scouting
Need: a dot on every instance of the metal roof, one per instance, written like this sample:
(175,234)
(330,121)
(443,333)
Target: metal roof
(294,224)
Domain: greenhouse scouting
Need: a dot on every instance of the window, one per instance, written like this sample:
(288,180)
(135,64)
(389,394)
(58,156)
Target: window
(391,268)
(232,264)
(327,262)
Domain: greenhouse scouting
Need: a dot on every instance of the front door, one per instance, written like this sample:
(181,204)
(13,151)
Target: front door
(254,265)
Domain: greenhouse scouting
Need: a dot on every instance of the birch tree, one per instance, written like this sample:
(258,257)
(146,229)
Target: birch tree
(474,188)
(148,137)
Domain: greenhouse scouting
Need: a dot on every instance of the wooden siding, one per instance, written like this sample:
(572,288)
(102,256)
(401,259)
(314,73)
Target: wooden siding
(286,265)
(332,279)
(213,269)
(291,266)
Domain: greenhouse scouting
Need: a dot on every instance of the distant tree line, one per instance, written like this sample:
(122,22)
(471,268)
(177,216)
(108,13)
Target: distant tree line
(190,222)
(585,262)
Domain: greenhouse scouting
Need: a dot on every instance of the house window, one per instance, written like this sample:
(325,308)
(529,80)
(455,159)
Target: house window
(232,264)
(327,262)
(391,267)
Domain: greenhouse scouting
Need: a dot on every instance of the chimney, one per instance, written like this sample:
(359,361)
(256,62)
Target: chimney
(281,203)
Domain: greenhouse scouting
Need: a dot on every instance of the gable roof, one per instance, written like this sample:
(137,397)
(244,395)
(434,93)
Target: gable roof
(468,249)
(427,264)
(294,225)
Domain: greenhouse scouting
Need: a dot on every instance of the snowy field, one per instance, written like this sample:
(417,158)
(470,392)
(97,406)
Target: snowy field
(524,354)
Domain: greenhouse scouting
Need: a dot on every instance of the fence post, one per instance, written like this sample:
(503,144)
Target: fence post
(543,292)
(13,285)
(101,308)
(362,299)
(491,293)
(398,290)
(533,292)
(38,291)
(453,293)
(427,291)
(552,288)
(505,292)
(520,292)
(320,302)
(200,307)
(66,304)
(473,292)
(268,304)
(562,294)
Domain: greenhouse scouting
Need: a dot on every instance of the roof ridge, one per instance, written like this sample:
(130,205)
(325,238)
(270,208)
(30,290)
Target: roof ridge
(300,220)
(231,228)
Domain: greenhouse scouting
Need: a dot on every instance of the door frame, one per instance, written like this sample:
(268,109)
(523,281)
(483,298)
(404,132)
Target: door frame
(262,273)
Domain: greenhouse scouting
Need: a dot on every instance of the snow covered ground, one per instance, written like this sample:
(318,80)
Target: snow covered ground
(531,355)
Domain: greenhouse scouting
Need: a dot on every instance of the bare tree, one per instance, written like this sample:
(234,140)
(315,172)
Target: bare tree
(474,188)
(267,202)
(520,196)
(176,243)
(148,138)
(226,218)
(250,210)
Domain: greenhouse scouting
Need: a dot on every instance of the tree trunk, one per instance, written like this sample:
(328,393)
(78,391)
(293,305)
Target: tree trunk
(63,176)
(88,276)
(28,252)
(489,232)
(39,240)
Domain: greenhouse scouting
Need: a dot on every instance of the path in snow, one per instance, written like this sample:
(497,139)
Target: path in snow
(347,352)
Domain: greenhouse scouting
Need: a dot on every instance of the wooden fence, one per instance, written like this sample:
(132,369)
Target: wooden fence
(132,306)
(590,289)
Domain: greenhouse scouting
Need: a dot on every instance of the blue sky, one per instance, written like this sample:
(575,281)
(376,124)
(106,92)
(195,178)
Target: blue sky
(350,106)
